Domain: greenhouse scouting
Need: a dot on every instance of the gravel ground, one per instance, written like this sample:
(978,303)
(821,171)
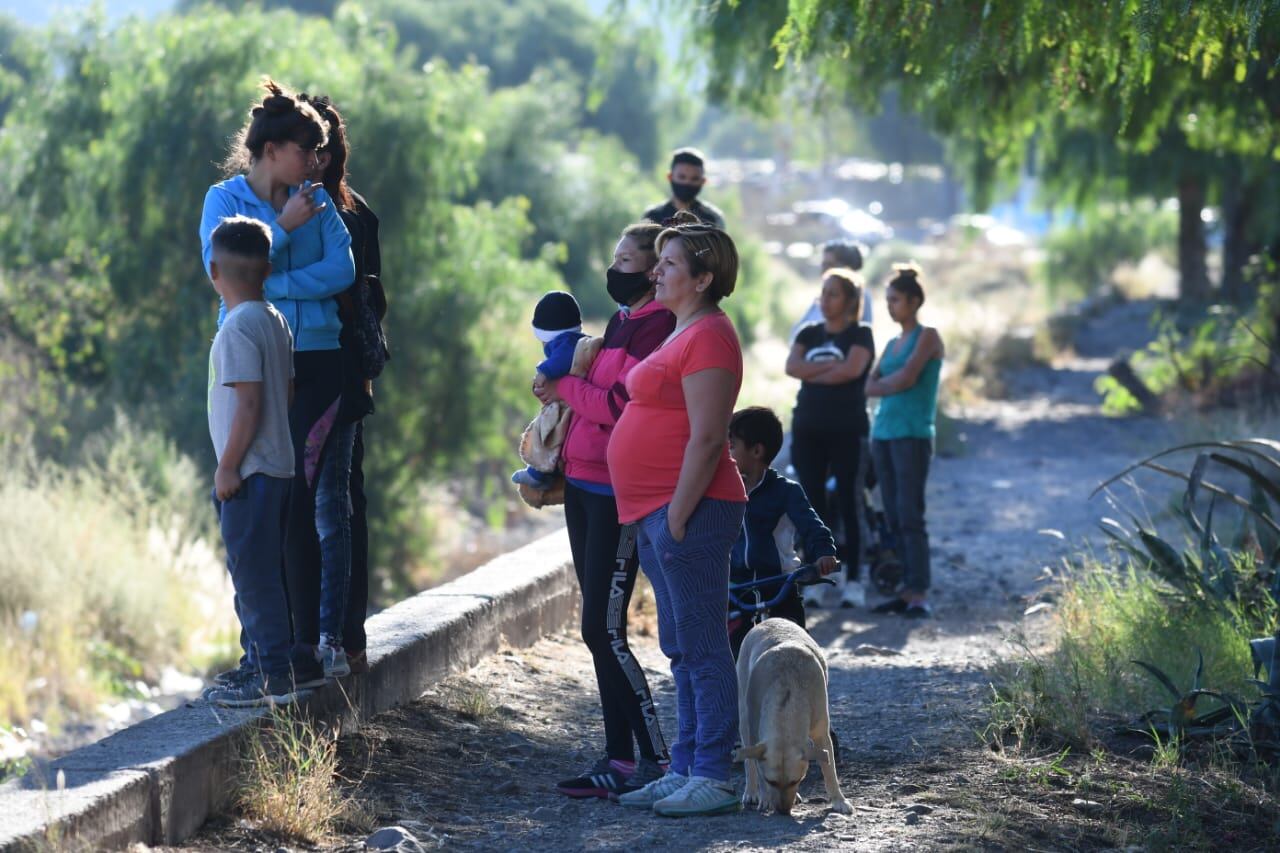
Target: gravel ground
(471,765)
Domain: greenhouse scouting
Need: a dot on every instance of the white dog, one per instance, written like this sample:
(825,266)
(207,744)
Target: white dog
(783,717)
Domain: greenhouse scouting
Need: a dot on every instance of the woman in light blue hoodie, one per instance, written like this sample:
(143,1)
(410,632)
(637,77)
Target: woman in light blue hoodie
(311,263)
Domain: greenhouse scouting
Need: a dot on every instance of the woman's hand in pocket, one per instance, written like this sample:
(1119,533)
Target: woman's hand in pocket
(676,529)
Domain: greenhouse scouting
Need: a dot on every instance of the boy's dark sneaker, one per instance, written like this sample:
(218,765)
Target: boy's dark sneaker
(605,778)
(231,676)
(920,610)
(646,771)
(253,691)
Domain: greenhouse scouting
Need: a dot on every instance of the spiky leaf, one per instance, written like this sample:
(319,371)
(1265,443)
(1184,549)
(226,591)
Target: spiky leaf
(1159,676)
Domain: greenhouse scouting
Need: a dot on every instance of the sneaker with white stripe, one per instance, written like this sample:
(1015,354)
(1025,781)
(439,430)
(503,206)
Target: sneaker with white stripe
(604,778)
(700,796)
(658,789)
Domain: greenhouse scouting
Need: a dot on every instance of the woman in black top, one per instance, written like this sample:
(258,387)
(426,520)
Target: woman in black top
(829,423)
(357,389)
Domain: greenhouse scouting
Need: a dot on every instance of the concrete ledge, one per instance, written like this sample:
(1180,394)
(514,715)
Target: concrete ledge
(158,781)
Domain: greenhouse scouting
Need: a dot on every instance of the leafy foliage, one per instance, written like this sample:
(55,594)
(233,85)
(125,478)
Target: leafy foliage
(1181,719)
(1227,356)
(1241,581)
(105,165)
(1157,97)
(1079,257)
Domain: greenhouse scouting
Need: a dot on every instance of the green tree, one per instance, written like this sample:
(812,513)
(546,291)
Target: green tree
(614,75)
(106,156)
(1002,74)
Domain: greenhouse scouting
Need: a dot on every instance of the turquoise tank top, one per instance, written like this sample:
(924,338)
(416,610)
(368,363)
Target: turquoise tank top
(909,413)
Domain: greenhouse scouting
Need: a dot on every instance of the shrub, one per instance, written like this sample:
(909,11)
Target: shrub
(104,583)
(1229,356)
(1079,258)
(1159,617)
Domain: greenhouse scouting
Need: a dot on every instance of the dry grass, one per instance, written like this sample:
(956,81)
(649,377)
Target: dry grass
(106,577)
(289,782)
(473,701)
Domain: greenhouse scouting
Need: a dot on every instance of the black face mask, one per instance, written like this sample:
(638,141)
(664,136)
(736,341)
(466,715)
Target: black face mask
(626,287)
(685,192)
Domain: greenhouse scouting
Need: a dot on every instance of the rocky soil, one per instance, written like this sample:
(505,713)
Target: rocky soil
(471,765)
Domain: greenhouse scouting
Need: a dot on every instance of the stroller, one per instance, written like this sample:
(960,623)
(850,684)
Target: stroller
(748,607)
(881,549)
(879,546)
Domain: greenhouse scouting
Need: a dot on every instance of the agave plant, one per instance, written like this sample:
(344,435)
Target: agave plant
(1207,573)
(1180,719)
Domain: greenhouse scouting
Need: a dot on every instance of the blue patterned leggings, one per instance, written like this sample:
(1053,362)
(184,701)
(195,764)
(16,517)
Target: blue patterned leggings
(691,585)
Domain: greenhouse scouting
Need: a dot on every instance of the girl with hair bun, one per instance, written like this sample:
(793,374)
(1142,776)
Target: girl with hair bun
(365,293)
(268,169)
(906,378)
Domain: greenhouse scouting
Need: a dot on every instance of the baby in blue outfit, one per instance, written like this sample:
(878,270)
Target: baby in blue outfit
(557,323)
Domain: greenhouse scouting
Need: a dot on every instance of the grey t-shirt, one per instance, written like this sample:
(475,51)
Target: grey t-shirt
(253,345)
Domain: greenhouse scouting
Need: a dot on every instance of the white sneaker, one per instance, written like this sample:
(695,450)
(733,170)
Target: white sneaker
(659,789)
(333,659)
(812,595)
(701,796)
(854,594)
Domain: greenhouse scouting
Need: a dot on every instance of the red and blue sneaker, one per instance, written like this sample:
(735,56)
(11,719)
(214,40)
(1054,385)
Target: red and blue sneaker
(607,776)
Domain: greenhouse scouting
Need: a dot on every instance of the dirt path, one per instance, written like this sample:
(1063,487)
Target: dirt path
(471,765)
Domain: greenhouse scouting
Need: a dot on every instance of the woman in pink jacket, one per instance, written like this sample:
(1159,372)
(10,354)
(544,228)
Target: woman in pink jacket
(604,553)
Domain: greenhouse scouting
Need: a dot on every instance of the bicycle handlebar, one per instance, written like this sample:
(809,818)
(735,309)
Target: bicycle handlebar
(806,575)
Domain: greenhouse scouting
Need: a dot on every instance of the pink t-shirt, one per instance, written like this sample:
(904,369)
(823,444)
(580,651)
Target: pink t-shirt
(647,448)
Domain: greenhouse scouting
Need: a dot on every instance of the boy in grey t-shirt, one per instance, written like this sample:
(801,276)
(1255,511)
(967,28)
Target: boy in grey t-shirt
(250,383)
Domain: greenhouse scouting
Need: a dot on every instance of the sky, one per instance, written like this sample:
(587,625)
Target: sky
(38,12)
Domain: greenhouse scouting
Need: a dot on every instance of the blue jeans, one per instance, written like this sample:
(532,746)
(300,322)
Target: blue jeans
(253,523)
(902,467)
(691,587)
(333,526)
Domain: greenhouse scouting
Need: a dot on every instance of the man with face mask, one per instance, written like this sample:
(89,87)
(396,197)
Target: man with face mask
(687,176)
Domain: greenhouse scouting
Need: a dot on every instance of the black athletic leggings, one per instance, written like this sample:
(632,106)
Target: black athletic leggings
(606,560)
(817,454)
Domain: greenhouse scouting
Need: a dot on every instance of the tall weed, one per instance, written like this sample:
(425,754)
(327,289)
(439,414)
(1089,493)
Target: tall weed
(1107,620)
(289,779)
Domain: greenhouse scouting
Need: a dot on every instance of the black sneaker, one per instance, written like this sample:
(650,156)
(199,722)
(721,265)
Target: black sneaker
(920,610)
(253,692)
(230,678)
(307,671)
(238,673)
(605,778)
(646,771)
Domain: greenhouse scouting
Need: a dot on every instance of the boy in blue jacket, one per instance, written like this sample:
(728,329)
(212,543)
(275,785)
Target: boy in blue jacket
(778,516)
